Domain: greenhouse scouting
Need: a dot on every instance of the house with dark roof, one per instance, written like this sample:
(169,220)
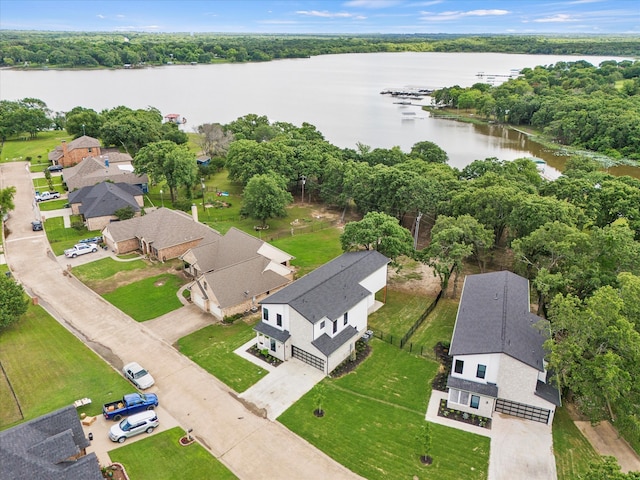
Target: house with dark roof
(319,317)
(498,351)
(97,204)
(72,153)
(50,446)
(161,234)
(233,272)
(115,167)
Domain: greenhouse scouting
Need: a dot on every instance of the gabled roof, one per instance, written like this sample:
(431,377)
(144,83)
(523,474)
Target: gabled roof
(163,227)
(105,198)
(94,170)
(494,317)
(332,289)
(44,448)
(327,345)
(83,142)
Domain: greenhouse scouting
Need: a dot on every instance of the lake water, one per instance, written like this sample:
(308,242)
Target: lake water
(339,94)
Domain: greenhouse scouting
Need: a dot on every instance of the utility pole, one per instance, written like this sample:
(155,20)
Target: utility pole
(304,179)
(417,231)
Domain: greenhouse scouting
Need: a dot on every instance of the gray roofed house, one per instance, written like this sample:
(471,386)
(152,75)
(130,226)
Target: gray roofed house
(162,234)
(235,271)
(97,204)
(498,351)
(322,314)
(72,153)
(114,166)
(48,447)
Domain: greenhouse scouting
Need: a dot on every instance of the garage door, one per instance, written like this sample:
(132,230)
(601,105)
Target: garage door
(306,357)
(522,410)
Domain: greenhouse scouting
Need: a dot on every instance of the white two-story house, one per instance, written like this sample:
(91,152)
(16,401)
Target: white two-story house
(497,348)
(319,317)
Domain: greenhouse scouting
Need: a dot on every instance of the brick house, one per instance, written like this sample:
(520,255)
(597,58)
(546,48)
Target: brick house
(50,446)
(115,167)
(162,234)
(97,204)
(498,355)
(72,153)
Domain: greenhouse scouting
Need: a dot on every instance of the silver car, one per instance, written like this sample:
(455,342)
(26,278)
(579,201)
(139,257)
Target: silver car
(133,425)
(138,375)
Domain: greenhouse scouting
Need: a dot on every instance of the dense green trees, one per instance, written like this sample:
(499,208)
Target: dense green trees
(13,303)
(29,115)
(265,197)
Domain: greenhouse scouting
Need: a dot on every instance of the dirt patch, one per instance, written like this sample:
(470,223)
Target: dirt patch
(126,277)
(414,277)
(160,283)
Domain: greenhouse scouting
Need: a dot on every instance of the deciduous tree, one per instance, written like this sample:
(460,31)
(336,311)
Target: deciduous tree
(13,303)
(265,197)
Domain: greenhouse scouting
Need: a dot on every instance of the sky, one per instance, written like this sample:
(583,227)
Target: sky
(326,16)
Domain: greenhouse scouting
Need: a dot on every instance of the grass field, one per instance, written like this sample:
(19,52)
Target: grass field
(311,249)
(42,362)
(437,327)
(572,450)
(17,150)
(161,457)
(212,348)
(61,238)
(159,294)
(373,416)
(400,311)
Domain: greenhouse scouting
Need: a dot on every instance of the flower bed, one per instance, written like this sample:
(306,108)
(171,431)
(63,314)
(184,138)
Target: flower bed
(465,417)
(266,357)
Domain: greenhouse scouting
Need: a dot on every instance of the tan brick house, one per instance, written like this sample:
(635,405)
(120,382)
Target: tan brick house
(72,153)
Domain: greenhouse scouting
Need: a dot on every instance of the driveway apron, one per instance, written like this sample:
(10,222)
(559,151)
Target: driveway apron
(250,446)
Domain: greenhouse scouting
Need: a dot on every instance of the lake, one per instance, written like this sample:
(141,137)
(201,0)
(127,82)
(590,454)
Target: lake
(339,94)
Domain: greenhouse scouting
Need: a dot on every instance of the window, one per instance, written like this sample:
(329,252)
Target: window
(335,326)
(265,314)
(322,325)
(458,396)
(459,366)
(482,369)
(475,401)
(346,318)
(278,319)
(273,345)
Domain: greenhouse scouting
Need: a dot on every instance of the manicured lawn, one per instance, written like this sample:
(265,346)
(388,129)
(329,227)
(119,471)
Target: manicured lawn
(572,450)
(311,249)
(160,457)
(15,149)
(437,327)
(49,368)
(212,348)
(62,238)
(159,294)
(52,205)
(106,268)
(372,418)
(400,311)
(107,274)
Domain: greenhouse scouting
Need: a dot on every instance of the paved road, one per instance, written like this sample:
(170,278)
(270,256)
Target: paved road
(250,446)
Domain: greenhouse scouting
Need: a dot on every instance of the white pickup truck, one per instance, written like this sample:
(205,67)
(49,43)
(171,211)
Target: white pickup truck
(41,197)
(80,249)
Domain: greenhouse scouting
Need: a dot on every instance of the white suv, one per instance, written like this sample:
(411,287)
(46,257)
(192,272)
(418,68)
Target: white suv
(140,422)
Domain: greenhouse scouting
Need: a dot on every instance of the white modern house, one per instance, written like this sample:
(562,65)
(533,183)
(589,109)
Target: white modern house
(319,317)
(498,355)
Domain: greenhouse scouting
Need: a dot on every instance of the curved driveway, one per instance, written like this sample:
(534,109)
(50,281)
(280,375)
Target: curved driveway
(250,446)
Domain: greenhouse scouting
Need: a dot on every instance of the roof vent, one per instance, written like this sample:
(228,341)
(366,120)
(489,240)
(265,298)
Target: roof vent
(496,297)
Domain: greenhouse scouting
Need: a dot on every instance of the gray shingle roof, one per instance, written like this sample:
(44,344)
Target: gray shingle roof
(84,141)
(93,170)
(42,448)
(164,227)
(494,317)
(328,345)
(486,389)
(273,332)
(332,289)
(105,198)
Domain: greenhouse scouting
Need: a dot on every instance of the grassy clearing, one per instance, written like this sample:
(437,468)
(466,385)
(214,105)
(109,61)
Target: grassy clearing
(572,450)
(41,359)
(401,310)
(159,294)
(437,327)
(160,456)
(212,348)
(372,418)
(312,249)
(62,238)
(17,149)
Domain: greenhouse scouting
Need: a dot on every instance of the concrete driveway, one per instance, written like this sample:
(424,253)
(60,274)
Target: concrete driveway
(250,446)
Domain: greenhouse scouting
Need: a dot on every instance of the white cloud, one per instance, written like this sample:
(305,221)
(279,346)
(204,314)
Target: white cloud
(101,16)
(371,3)
(456,14)
(326,14)
(559,18)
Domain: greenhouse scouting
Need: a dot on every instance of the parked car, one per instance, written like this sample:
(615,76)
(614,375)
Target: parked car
(55,168)
(80,249)
(133,425)
(129,404)
(138,375)
(97,239)
(36,225)
(41,197)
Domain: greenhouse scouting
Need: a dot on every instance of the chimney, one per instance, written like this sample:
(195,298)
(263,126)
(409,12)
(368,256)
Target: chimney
(194,212)
(64,148)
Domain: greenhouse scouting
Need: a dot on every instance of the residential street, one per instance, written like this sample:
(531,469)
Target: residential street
(250,446)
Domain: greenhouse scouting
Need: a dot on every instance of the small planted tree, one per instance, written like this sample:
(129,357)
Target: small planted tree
(319,398)
(424,444)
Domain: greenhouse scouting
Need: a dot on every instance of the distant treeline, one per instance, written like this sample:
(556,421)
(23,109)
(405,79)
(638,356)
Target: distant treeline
(92,50)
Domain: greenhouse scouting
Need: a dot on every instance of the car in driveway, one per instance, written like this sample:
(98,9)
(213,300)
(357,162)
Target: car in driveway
(36,225)
(97,239)
(80,249)
(55,168)
(137,375)
(134,425)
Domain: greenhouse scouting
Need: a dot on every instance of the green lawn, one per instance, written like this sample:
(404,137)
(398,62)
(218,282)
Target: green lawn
(62,238)
(159,294)
(212,348)
(161,457)
(49,368)
(372,418)
(312,249)
(572,450)
(437,327)
(93,274)
(52,205)
(16,149)
(400,312)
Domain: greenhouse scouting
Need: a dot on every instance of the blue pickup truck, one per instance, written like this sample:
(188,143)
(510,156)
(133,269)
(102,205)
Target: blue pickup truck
(130,403)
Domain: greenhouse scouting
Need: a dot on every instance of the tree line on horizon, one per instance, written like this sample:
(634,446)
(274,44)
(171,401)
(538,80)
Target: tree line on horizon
(35,49)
